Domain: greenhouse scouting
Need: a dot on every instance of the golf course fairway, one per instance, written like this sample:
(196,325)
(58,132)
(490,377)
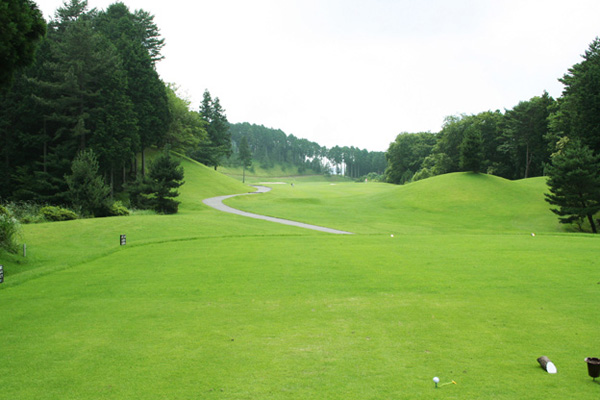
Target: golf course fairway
(464,277)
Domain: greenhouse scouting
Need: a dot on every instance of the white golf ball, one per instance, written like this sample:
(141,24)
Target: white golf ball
(391,235)
(436,379)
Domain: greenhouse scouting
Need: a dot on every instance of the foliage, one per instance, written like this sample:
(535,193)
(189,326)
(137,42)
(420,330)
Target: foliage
(574,182)
(93,85)
(273,146)
(53,213)
(406,154)
(160,186)
(578,111)
(524,137)
(217,127)
(22,27)
(187,131)
(87,189)
(471,151)
(118,209)
(9,230)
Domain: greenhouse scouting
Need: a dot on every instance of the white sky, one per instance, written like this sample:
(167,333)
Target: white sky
(358,72)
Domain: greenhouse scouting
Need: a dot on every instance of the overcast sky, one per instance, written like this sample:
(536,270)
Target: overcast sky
(358,73)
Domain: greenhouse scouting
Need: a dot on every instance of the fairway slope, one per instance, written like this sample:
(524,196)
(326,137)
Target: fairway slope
(455,202)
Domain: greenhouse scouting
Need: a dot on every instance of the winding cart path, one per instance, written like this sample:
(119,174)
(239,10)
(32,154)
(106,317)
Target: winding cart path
(217,203)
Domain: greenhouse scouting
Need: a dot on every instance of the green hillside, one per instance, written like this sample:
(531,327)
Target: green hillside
(447,203)
(204,304)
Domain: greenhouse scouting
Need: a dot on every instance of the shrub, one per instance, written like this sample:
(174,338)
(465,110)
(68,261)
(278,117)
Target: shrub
(9,231)
(26,212)
(117,209)
(52,213)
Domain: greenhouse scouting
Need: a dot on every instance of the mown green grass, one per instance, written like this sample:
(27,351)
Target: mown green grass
(451,203)
(210,305)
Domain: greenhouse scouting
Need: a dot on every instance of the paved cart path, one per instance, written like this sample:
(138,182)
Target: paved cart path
(217,202)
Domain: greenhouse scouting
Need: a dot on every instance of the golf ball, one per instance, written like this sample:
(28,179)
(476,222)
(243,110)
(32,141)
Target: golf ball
(436,379)
(391,235)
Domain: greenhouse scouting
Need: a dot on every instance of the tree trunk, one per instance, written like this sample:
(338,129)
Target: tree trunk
(45,156)
(143,163)
(527,161)
(112,182)
(592,224)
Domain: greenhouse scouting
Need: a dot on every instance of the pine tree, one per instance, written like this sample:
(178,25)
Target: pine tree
(574,181)
(217,128)
(22,27)
(87,190)
(164,177)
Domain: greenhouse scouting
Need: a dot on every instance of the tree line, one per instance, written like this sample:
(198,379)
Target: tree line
(542,136)
(270,146)
(515,144)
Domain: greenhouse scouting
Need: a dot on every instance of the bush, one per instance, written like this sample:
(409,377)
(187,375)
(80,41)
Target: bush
(51,213)
(9,231)
(26,212)
(117,209)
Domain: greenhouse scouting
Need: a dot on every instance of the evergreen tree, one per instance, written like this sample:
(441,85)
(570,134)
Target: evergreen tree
(21,28)
(137,41)
(574,181)
(245,156)
(87,190)
(164,177)
(217,128)
(578,113)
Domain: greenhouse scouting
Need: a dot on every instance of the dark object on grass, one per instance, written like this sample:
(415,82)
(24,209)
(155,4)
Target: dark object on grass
(547,364)
(593,365)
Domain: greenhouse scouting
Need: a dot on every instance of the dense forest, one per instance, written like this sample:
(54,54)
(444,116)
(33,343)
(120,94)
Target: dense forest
(92,87)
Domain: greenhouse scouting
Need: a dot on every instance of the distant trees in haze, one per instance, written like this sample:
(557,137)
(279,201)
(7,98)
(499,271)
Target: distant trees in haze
(273,146)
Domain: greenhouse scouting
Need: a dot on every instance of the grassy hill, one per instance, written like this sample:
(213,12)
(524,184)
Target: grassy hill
(448,203)
(204,304)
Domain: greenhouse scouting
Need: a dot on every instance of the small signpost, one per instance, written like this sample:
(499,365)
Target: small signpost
(123,240)
(1,273)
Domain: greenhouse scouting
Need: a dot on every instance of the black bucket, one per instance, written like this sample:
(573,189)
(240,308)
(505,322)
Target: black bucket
(593,364)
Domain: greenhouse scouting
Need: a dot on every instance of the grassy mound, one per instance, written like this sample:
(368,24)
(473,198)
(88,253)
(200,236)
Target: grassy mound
(448,203)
